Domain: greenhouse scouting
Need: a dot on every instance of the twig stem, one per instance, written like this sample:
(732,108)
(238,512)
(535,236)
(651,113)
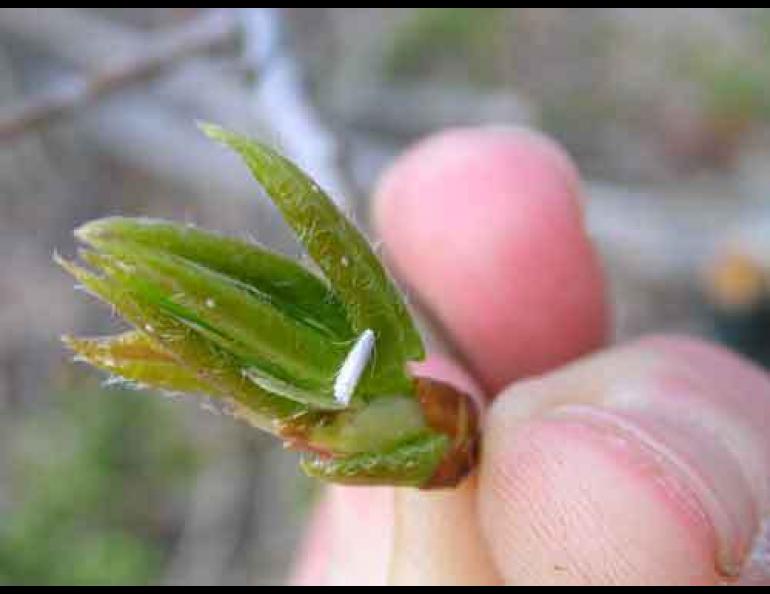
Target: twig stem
(199,36)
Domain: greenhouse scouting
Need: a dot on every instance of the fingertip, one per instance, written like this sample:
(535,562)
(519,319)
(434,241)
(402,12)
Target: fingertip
(486,227)
(438,541)
(644,464)
(564,504)
(350,540)
(536,156)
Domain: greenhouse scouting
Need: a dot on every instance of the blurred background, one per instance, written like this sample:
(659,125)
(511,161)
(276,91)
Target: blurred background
(666,110)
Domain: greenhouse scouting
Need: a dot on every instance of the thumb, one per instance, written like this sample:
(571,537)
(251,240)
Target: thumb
(647,465)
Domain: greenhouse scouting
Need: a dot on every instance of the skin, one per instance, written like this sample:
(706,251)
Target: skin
(641,464)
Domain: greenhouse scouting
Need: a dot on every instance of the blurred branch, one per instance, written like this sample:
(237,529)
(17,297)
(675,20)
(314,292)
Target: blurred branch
(281,94)
(125,128)
(276,105)
(75,36)
(145,128)
(417,110)
(200,36)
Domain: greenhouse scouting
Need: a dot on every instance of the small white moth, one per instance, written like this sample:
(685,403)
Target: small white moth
(353,368)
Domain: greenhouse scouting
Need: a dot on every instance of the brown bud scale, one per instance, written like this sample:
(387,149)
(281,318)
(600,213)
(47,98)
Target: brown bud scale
(454,414)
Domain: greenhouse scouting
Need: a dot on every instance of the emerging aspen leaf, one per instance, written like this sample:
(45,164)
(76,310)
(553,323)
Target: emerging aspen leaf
(319,362)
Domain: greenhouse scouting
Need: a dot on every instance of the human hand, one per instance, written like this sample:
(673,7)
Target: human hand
(647,464)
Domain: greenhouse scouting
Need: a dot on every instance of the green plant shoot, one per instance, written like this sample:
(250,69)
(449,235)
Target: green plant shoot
(319,361)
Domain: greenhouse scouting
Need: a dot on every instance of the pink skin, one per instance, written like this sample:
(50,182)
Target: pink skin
(647,464)
(486,228)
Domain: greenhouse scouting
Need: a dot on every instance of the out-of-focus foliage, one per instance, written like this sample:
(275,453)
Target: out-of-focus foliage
(465,45)
(733,83)
(92,476)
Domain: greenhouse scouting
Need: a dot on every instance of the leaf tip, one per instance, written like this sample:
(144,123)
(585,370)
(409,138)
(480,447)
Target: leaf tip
(214,132)
(78,347)
(94,231)
(67,265)
(239,143)
(57,257)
